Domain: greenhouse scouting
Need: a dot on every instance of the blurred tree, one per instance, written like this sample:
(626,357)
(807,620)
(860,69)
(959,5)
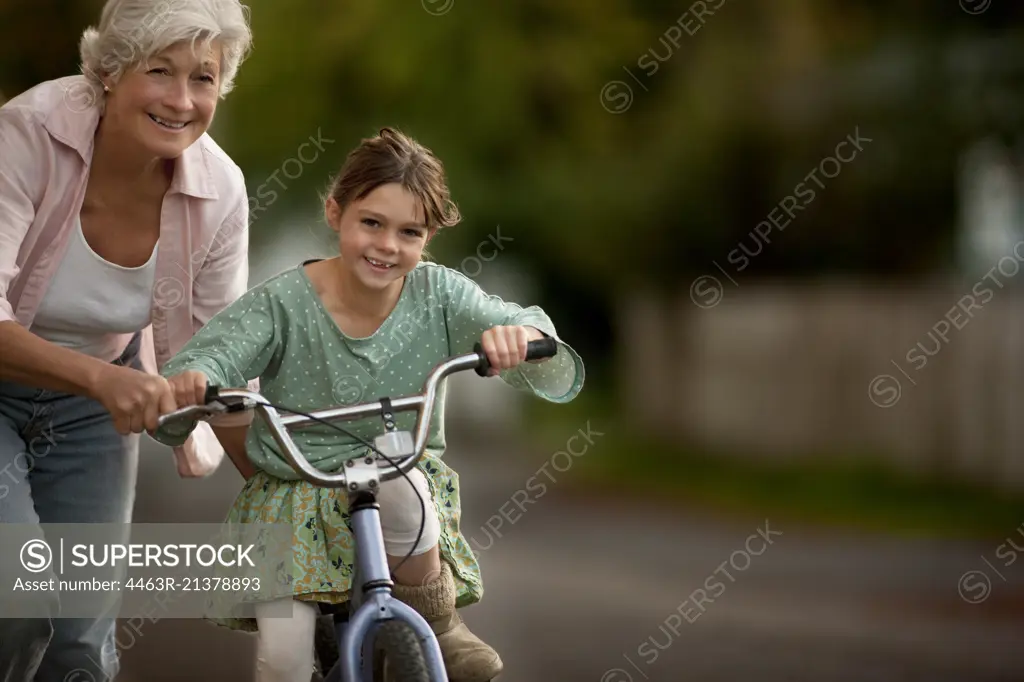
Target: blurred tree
(39,40)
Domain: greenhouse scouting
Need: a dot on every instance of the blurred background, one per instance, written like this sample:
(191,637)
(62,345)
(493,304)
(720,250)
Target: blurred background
(785,237)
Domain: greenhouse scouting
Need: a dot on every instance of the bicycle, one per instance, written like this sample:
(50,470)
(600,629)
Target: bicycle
(374,621)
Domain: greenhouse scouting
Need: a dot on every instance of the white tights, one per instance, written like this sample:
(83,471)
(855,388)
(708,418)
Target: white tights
(284,646)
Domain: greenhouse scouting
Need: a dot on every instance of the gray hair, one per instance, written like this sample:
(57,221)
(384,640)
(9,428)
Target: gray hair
(132,31)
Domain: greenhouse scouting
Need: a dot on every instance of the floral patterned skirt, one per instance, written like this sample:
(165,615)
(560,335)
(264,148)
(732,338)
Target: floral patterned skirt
(322,542)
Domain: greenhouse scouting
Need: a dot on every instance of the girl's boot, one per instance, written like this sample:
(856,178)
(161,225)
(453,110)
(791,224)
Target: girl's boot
(466,657)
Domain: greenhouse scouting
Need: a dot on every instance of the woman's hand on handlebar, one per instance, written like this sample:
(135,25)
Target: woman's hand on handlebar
(505,347)
(133,398)
(189,388)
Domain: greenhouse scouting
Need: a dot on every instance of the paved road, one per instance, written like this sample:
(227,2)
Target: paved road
(580,589)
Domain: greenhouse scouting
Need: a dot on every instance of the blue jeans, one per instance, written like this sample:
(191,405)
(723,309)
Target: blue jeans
(62,461)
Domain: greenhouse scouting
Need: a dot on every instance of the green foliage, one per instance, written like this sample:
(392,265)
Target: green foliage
(506,95)
(743,103)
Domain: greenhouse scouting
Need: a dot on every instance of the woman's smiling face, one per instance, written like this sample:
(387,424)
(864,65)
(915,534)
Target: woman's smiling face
(168,102)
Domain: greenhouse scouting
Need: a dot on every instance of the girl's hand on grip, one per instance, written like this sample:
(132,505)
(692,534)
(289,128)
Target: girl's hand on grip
(189,388)
(505,347)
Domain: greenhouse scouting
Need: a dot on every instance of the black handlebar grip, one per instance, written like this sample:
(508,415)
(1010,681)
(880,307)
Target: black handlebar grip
(485,364)
(212,393)
(541,348)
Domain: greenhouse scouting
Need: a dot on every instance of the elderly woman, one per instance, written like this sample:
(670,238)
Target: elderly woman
(123,229)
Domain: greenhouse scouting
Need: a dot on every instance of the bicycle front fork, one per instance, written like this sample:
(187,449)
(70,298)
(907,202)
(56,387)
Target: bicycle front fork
(372,603)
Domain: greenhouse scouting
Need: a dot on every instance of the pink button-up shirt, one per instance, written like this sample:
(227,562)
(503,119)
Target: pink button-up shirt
(46,147)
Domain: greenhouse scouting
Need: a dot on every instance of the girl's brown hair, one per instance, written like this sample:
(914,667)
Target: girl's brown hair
(393,157)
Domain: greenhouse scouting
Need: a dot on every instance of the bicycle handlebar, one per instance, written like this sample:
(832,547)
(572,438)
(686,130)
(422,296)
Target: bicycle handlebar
(422,402)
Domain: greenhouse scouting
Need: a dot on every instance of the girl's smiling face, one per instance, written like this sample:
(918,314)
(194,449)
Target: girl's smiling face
(381,237)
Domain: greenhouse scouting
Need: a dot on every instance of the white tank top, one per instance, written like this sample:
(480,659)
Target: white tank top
(91,300)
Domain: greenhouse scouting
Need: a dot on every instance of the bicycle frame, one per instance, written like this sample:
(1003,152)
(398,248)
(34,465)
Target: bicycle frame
(371,602)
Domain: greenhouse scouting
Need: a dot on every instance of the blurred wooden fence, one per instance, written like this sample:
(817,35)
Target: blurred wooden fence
(782,370)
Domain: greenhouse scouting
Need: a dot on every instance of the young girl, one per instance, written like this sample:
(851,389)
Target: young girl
(369,322)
